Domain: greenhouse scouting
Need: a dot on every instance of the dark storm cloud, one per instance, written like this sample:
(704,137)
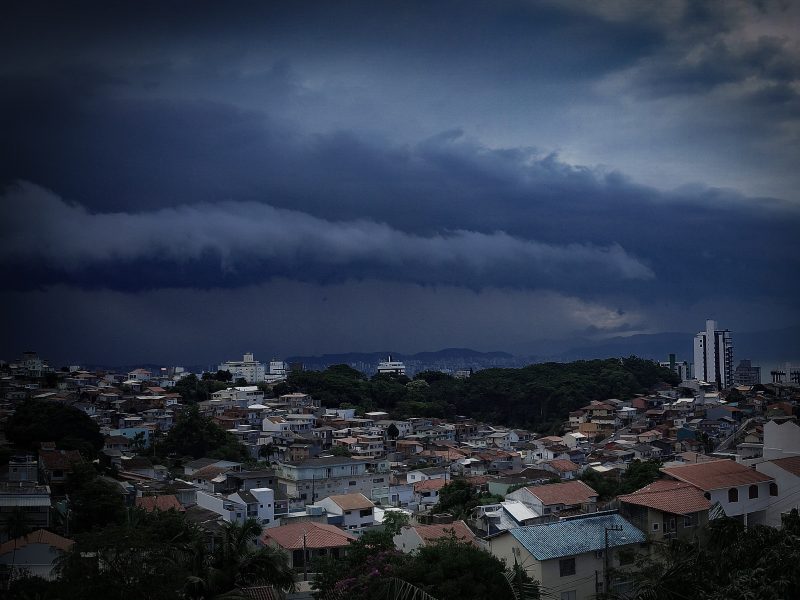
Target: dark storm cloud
(438,155)
(251,242)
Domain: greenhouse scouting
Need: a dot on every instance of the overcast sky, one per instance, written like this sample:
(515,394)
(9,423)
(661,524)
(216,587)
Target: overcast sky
(183,182)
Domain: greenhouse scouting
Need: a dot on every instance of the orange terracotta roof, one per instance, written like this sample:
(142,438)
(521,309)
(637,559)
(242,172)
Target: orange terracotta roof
(59,459)
(352,501)
(477,479)
(429,484)
(563,465)
(165,502)
(716,474)
(790,464)
(676,497)
(571,492)
(317,535)
(210,472)
(431,533)
(40,536)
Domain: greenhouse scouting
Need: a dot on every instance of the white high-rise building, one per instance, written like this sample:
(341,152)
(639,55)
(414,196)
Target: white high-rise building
(713,356)
(248,369)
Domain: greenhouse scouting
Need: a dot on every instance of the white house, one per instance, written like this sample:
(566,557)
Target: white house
(786,473)
(349,511)
(257,503)
(740,491)
(240,396)
(426,473)
(781,439)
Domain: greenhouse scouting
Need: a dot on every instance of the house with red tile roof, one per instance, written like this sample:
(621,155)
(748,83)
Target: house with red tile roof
(412,537)
(35,553)
(315,539)
(164,502)
(740,491)
(426,493)
(57,464)
(666,509)
(555,498)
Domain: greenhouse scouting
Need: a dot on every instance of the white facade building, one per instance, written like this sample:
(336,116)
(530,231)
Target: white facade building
(248,369)
(257,503)
(240,397)
(391,367)
(277,371)
(713,356)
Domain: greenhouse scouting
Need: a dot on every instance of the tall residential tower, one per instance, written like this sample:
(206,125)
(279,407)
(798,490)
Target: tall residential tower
(713,356)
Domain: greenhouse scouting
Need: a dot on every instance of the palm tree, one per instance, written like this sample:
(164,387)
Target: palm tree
(237,563)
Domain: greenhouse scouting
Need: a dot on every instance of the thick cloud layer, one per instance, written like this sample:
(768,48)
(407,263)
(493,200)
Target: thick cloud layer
(253,242)
(636,158)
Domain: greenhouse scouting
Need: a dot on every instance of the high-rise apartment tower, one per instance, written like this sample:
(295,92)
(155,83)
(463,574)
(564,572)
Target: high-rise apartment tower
(713,356)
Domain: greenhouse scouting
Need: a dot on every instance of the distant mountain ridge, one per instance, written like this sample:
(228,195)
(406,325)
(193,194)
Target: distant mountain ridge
(762,347)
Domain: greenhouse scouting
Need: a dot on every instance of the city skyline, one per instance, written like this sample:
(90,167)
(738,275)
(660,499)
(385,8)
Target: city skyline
(306,179)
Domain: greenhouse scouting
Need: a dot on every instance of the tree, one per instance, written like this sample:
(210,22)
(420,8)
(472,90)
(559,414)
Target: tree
(236,563)
(93,501)
(138,442)
(37,421)
(145,555)
(394,521)
(341,451)
(392,432)
(459,498)
(267,451)
(196,435)
(728,562)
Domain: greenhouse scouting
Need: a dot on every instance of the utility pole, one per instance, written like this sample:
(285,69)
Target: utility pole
(606,573)
(305,558)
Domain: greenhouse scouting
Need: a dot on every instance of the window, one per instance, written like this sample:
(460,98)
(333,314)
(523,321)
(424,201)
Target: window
(570,595)
(773,489)
(733,495)
(752,492)
(687,521)
(566,567)
(366,512)
(351,483)
(655,526)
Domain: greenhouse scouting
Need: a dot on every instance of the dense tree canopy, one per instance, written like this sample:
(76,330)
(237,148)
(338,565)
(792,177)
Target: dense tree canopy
(732,563)
(37,421)
(459,499)
(159,556)
(197,436)
(193,389)
(537,396)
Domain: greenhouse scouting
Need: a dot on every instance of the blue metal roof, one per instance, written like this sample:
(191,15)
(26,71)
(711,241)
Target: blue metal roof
(576,535)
